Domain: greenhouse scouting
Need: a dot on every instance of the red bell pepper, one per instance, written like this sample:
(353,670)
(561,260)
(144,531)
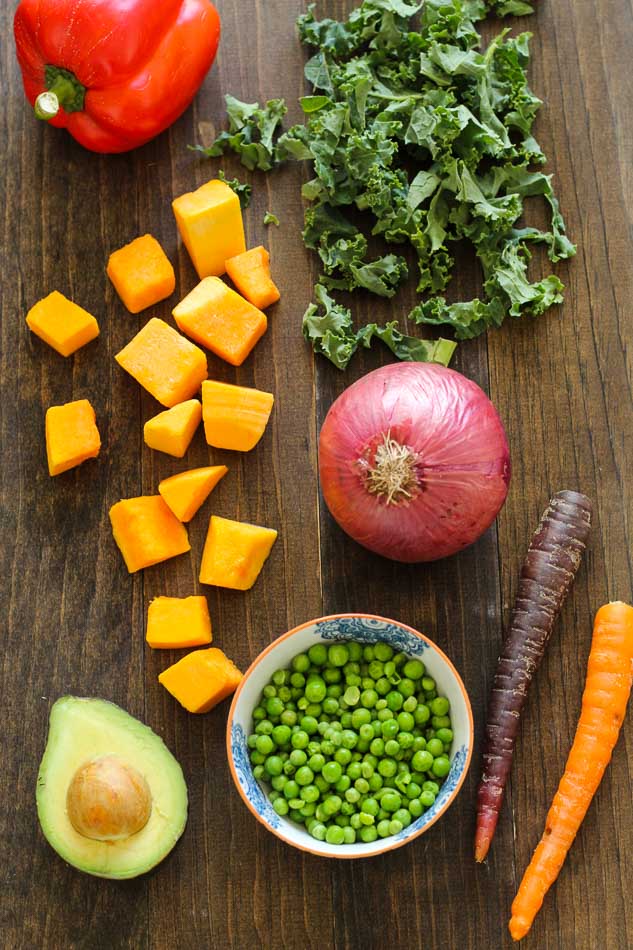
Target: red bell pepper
(115,73)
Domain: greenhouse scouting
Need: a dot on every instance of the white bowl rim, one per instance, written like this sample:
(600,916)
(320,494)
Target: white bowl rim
(342,855)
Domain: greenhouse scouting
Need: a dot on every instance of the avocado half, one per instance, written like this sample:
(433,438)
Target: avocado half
(82,731)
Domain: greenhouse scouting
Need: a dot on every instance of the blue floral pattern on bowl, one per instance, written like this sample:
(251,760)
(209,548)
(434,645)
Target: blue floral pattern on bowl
(256,794)
(368,630)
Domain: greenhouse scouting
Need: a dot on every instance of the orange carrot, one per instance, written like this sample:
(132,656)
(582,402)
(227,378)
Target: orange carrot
(607,689)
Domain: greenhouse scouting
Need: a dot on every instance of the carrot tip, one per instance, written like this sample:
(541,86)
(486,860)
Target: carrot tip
(483,841)
(517,928)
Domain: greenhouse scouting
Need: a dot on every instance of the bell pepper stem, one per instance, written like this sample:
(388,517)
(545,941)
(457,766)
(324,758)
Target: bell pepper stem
(46,106)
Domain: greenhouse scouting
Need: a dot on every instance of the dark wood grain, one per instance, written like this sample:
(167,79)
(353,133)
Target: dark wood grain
(74,619)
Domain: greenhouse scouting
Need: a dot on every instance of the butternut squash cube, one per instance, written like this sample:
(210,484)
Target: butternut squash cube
(187,491)
(141,273)
(234,553)
(211,227)
(234,417)
(250,272)
(167,365)
(61,323)
(175,622)
(172,430)
(217,317)
(71,435)
(147,531)
(201,680)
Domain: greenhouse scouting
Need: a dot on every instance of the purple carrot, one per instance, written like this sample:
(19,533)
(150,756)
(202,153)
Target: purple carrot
(547,574)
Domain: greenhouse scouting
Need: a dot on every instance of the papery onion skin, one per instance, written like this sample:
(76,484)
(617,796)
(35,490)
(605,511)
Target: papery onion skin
(459,455)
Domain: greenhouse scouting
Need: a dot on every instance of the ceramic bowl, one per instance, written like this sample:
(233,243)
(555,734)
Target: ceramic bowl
(365,629)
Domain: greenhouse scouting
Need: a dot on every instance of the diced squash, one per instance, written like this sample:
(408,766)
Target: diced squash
(217,317)
(250,272)
(166,364)
(187,491)
(211,227)
(71,435)
(234,416)
(175,622)
(61,323)
(201,680)
(234,553)
(141,273)
(147,531)
(171,431)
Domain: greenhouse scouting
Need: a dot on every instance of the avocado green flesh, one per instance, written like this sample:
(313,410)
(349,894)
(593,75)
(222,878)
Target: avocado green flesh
(84,729)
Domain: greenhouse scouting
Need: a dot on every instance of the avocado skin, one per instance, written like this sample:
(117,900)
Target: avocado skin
(81,729)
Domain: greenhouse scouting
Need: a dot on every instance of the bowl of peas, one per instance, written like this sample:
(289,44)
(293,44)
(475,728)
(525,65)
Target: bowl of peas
(350,735)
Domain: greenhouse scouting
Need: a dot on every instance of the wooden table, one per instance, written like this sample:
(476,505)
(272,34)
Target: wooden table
(74,619)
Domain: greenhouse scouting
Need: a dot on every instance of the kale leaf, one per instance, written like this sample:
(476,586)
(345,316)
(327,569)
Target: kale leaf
(418,125)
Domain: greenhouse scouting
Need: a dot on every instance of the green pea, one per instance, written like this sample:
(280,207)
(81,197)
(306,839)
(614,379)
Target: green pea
(288,717)
(257,758)
(360,717)
(354,770)
(302,704)
(321,784)
(382,686)
(440,722)
(343,784)
(309,724)
(367,770)
(281,735)
(445,736)
(390,801)
(375,669)
(422,714)
(431,786)
(406,722)
(259,713)
(355,651)
(316,762)
(318,831)
(362,785)
(403,816)
(368,653)
(352,795)
(414,669)
(419,743)
(273,765)
(309,793)
(335,690)
(334,835)
(309,809)
(413,790)
(440,706)
(390,729)
(383,652)
(375,782)
(269,691)
(264,728)
(331,772)
(435,747)
(313,747)
(291,789)
(406,740)
(330,705)
(366,819)
(428,684)
(281,806)
(387,767)
(328,747)
(346,720)
(315,690)
(284,694)
(406,688)
(259,771)
(298,757)
(349,835)
(427,798)
(299,740)
(383,828)
(410,704)
(385,714)
(369,698)
(366,732)
(380,704)
(264,744)
(343,756)
(332,674)
(400,658)
(441,766)
(318,654)
(415,807)
(422,760)
(301,663)
(395,827)
(394,701)
(403,779)
(304,775)
(332,804)
(351,695)
(377,747)
(392,747)
(368,833)
(354,821)
(338,654)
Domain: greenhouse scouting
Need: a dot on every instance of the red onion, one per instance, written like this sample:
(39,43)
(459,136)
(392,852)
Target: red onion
(414,461)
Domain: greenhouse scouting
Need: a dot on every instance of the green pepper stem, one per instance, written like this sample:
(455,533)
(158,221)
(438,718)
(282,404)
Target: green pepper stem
(46,106)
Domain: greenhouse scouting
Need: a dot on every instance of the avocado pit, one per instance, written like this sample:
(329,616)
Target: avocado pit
(108,800)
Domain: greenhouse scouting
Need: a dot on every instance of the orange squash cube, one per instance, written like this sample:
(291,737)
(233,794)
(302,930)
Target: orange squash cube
(211,227)
(187,491)
(234,417)
(201,680)
(172,430)
(166,364)
(234,553)
(250,272)
(141,273)
(218,318)
(175,622)
(147,532)
(61,323)
(71,435)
